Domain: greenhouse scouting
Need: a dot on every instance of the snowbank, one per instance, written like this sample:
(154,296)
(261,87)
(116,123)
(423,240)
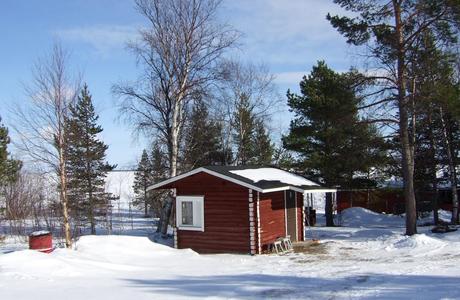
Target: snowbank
(272,174)
(444,215)
(91,254)
(125,249)
(417,241)
(362,217)
(358,216)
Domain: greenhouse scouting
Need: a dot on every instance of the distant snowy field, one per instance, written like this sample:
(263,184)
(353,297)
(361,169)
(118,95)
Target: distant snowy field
(120,184)
(369,259)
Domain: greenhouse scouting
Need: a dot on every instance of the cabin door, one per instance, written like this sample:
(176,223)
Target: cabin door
(291,215)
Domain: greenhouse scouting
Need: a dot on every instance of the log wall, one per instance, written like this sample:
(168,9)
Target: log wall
(226,215)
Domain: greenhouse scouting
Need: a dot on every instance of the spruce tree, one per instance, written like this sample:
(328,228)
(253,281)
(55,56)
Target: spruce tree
(282,158)
(143,178)
(8,167)
(202,141)
(243,124)
(160,170)
(263,147)
(86,153)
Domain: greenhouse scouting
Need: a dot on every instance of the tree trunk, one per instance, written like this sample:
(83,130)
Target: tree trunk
(91,210)
(452,172)
(434,176)
(166,213)
(408,173)
(145,201)
(174,152)
(329,210)
(63,196)
(407,150)
(90,198)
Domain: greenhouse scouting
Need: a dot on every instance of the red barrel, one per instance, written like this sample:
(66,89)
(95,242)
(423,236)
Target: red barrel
(41,241)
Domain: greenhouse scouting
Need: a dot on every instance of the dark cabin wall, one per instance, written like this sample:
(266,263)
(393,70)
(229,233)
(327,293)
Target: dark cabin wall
(226,215)
(272,218)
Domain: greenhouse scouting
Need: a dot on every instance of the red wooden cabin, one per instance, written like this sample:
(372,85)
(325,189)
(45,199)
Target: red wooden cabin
(221,209)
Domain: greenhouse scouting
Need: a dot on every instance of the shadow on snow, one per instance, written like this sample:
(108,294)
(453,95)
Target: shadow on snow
(278,286)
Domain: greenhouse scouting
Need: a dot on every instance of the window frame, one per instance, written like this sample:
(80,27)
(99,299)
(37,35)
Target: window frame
(194,200)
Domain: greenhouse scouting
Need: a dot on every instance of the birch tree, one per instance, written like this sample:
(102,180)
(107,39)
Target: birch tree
(247,96)
(179,52)
(40,124)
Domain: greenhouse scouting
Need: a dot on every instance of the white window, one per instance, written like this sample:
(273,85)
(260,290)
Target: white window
(190,212)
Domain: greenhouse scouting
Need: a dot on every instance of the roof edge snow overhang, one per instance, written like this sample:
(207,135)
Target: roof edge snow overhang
(313,189)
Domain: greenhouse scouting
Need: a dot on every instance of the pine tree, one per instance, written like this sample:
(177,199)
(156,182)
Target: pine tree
(143,178)
(333,145)
(434,85)
(8,167)
(202,141)
(86,163)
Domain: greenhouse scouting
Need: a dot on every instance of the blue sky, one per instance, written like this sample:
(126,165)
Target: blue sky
(288,36)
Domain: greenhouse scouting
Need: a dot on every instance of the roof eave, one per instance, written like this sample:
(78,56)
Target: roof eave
(311,189)
(210,172)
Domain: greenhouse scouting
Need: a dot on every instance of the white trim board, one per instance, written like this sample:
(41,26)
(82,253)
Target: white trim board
(320,191)
(195,200)
(284,188)
(259,245)
(193,172)
(252,232)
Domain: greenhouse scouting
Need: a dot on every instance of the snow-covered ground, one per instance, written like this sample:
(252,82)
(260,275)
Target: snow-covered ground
(370,258)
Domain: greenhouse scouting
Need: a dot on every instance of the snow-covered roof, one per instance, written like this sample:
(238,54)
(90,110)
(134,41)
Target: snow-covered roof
(273,174)
(261,179)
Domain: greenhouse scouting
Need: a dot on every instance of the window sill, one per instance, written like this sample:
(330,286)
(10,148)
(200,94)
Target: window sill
(190,228)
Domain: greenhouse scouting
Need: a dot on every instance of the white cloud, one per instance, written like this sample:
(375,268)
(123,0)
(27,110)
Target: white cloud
(289,19)
(288,32)
(290,78)
(103,38)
